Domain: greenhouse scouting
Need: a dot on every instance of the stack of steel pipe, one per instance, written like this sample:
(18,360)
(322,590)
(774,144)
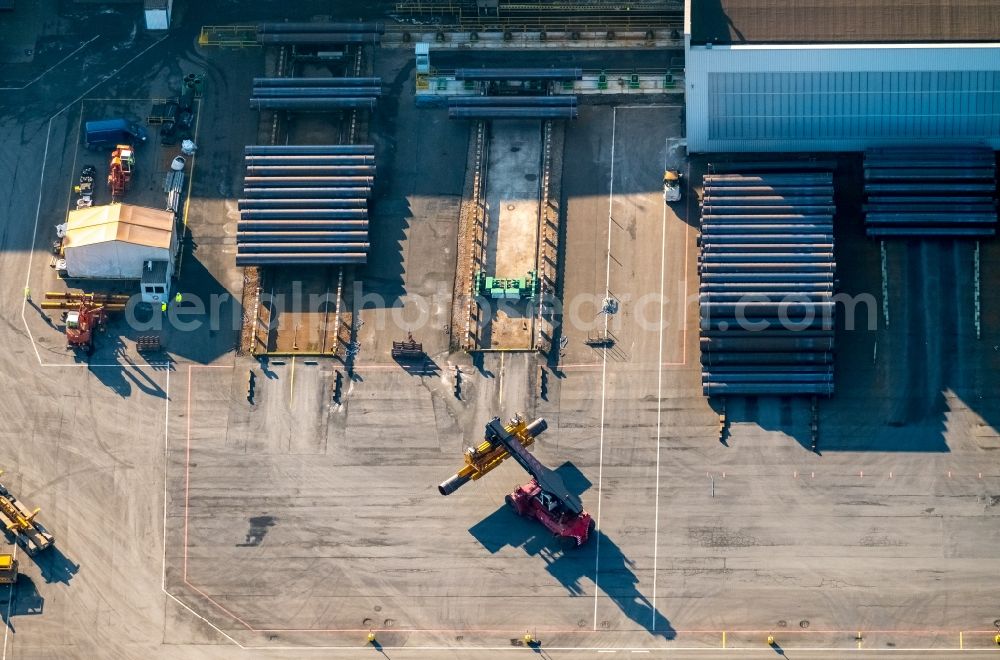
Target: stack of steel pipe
(767,273)
(305,205)
(930,192)
(512,107)
(314,93)
(319,34)
(526,74)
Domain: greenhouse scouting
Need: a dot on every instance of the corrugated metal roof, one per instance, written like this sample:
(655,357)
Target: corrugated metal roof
(844,21)
(120,222)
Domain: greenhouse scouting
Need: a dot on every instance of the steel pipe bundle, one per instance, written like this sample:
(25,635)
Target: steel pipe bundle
(317,82)
(304,159)
(311,193)
(318,38)
(316,203)
(301,259)
(315,92)
(914,193)
(287,217)
(308,181)
(309,150)
(314,170)
(304,214)
(514,101)
(767,270)
(506,112)
(317,26)
(269,248)
(497,74)
(295,236)
(324,226)
(367,103)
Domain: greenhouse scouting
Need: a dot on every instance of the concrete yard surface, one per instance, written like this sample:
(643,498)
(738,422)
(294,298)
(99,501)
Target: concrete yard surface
(196,519)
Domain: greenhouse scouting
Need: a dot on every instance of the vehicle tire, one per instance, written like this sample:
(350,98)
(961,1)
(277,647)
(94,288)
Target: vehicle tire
(511,503)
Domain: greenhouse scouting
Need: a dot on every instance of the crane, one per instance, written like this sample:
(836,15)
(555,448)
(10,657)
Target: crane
(545,497)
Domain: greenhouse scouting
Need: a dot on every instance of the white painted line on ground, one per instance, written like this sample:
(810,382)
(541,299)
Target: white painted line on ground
(659,394)
(166,461)
(44,73)
(604,369)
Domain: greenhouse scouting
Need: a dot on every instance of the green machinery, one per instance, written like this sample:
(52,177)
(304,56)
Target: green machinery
(504,288)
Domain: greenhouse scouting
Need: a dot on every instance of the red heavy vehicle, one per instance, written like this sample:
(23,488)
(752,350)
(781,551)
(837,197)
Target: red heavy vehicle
(545,498)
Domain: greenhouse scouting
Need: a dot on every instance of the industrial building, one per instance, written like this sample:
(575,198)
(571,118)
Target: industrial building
(841,75)
(116,240)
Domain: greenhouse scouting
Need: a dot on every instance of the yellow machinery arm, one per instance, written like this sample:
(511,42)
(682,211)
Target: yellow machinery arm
(487,455)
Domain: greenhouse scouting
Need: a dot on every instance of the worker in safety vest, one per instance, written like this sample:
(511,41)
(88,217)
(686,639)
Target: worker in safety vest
(163,307)
(177,298)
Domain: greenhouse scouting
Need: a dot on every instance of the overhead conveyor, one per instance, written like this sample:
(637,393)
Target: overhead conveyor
(930,193)
(287,217)
(767,281)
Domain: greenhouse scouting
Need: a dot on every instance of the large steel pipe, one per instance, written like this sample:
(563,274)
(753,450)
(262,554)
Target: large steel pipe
(929,188)
(743,191)
(515,101)
(244,237)
(821,376)
(765,257)
(899,174)
(815,179)
(301,225)
(308,149)
(715,247)
(712,228)
(308,182)
(318,38)
(748,212)
(302,259)
(716,358)
(314,92)
(752,238)
(302,203)
(739,166)
(456,481)
(310,170)
(338,159)
(304,214)
(312,104)
(774,389)
(930,231)
(826,277)
(768,200)
(518,74)
(790,217)
(765,344)
(758,296)
(539,112)
(792,310)
(310,193)
(931,218)
(331,246)
(320,26)
(988,206)
(317,82)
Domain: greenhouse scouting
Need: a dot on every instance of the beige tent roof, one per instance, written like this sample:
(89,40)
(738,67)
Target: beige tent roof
(120,222)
